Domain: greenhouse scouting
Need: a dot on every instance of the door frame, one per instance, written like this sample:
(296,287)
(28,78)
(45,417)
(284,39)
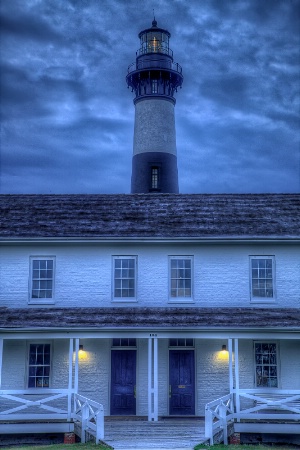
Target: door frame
(193,349)
(122,348)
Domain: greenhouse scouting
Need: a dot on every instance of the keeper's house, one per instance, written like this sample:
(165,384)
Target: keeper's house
(151,305)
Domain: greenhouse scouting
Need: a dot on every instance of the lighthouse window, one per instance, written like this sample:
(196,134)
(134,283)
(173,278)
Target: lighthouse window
(154,177)
(154,87)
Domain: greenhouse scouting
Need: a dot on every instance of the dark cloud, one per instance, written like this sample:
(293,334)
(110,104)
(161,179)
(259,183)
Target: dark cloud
(67,117)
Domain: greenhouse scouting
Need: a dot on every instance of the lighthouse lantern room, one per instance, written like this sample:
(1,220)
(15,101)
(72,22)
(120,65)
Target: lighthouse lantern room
(154,78)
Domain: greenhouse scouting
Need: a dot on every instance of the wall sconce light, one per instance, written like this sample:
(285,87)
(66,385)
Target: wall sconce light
(81,348)
(224,348)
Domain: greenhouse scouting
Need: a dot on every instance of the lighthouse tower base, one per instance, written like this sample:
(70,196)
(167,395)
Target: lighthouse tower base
(154,163)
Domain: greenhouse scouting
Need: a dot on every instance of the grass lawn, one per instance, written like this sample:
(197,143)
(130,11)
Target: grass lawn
(104,447)
(243,447)
(60,447)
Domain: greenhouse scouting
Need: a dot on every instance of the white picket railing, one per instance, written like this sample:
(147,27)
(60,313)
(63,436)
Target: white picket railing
(271,404)
(218,414)
(91,416)
(33,404)
(36,404)
(285,404)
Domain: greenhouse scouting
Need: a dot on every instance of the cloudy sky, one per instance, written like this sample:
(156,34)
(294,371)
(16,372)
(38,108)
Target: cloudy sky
(67,115)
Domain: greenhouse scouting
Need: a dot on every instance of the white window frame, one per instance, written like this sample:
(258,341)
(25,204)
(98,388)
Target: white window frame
(255,298)
(273,342)
(42,300)
(179,299)
(124,299)
(28,365)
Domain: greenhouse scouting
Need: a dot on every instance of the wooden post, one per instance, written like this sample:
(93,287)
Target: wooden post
(155,380)
(1,358)
(84,420)
(100,426)
(76,366)
(230,366)
(71,348)
(149,379)
(152,379)
(237,379)
(223,410)
(209,426)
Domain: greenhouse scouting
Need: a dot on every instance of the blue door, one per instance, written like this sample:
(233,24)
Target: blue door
(123,382)
(182,382)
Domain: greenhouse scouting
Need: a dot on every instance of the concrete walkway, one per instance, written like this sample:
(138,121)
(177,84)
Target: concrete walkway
(166,434)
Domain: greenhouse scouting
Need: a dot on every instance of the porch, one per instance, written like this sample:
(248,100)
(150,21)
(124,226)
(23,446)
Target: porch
(258,410)
(78,373)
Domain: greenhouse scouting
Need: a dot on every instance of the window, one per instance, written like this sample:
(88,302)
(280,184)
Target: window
(262,277)
(39,365)
(181,277)
(154,177)
(124,277)
(266,370)
(124,342)
(181,342)
(42,279)
(154,87)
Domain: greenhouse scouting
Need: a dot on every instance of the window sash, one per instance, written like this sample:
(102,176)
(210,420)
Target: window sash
(180,277)
(266,364)
(39,362)
(262,277)
(124,277)
(42,271)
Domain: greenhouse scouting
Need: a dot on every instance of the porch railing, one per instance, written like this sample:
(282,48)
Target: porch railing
(91,416)
(285,404)
(218,414)
(32,404)
(250,404)
(53,404)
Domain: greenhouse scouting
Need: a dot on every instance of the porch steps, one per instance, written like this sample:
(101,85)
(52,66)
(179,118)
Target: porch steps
(175,434)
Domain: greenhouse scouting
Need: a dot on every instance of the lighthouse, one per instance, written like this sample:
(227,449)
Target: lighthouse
(154,78)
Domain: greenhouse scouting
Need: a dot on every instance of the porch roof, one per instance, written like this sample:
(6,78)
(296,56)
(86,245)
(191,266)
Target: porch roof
(133,318)
(152,216)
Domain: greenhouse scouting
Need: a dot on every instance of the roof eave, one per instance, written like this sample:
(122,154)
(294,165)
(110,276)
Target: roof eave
(145,239)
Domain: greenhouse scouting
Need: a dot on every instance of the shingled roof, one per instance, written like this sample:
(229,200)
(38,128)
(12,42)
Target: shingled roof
(145,318)
(150,216)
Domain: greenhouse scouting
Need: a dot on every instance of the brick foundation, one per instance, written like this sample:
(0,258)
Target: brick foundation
(69,438)
(235,439)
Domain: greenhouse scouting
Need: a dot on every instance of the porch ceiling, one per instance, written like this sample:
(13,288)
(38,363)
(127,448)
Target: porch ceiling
(137,318)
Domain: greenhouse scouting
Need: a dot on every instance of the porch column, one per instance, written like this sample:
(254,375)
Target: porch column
(230,366)
(237,378)
(76,366)
(1,357)
(152,379)
(70,384)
